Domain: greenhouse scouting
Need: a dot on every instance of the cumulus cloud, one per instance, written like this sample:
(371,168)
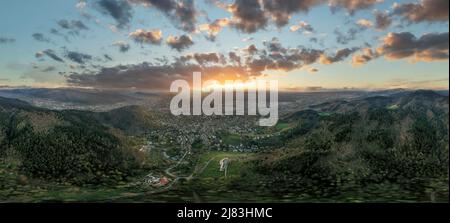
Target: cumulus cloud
(302,26)
(365,56)
(122,45)
(347,37)
(277,57)
(119,10)
(185,15)
(274,46)
(248,15)
(429,47)
(234,58)
(179,43)
(243,65)
(353,5)
(252,15)
(149,76)
(182,12)
(382,20)
(149,37)
(164,5)
(5,40)
(281,10)
(214,28)
(364,23)
(50,53)
(338,56)
(74,26)
(425,10)
(203,58)
(251,49)
(78,57)
(40,37)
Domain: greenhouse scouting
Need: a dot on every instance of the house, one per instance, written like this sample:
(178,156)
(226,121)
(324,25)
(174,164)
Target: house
(163,181)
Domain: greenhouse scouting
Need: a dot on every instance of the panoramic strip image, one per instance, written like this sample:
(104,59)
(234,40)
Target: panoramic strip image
(224,101)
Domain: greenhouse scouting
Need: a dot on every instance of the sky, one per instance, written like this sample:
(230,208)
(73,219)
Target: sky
(306,45)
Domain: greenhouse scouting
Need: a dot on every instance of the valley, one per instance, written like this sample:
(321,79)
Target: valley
(366,147)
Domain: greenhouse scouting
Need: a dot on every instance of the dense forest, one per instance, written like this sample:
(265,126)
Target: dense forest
(400,139)
(67,146)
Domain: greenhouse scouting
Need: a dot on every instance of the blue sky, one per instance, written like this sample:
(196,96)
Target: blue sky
(21,64)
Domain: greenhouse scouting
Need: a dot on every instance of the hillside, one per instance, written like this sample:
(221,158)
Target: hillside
(65,146)
(343,146)
(131,119)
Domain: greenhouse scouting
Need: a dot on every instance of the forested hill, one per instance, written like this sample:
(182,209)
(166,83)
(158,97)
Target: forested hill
(344,144)
(69,146)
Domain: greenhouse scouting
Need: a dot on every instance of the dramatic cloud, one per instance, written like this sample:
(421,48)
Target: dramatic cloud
(425,10)
(429,47)
(185,15)
(50,53)
(234,58)
(122,45)
(77,57)
(339,56)
(5,40)
(281,10)
(248,15)
(203,58)
(251,15)
(353,5)
(251,49)
(182,12)
(273,56)
(274,46)
(214,28)
(302,26)
(120,10)
(163,5)
(73,25)
(149,37)
(382,20)
(277,57)
(179,43)
(149,76)
(345,38)
(366,56)
(40,37)
(364,23)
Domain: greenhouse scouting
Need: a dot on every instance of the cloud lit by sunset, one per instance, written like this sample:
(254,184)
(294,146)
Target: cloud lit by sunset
(146,44)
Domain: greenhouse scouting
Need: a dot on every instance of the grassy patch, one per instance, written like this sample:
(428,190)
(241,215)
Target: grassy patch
(231,139)
(393,107)
(210,168)
(282,126)
(325,114)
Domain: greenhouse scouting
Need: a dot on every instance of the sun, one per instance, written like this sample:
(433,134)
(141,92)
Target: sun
(229,85)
